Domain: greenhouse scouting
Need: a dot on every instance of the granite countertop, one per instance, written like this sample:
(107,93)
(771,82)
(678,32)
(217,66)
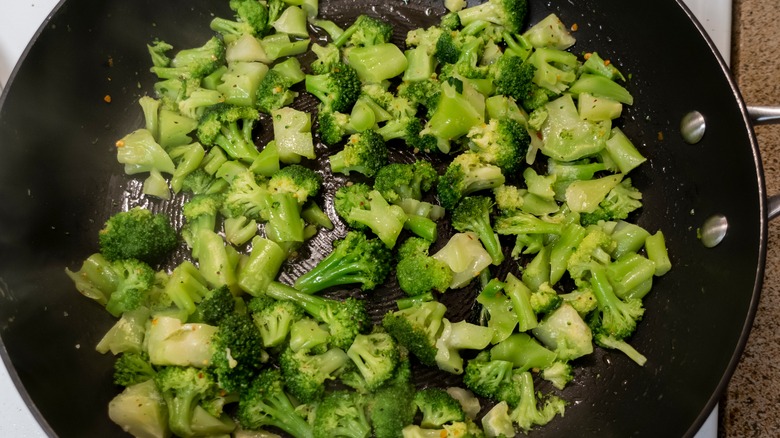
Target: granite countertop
(749,408)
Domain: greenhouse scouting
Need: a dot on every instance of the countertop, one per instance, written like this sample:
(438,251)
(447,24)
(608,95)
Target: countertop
(750,406)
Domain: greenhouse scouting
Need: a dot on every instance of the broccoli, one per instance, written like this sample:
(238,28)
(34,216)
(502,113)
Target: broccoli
(132,368)
(200,213)
(438,407)
(345,319)
(513,77)
(554,69)
(417,328)
(390,409)
(365,31)
(217,305)
(305,373)
(200,182)
(365,152)
(343,414)
(520,223)
(459,336)
(230,127)
(473,214)
(266,404)
(273,319)
(308,334)
(338,88)
(605,340)
(183,388)
(398,181)
(158,52)
(410,130)
(217,260)
(363,208)
(618,204)
(565,332)
(333,126)
(486,377)
(137,234)
(616,318)
(466,174)
(140,410)
(186,287)
(421,53)
(497,422)
(501,142)
(459,107)
(524,352)
(197,101)
(196,62)
(497,308)
(582,299)
(507,13)
(301,182)
(559,374)
(246,197)
(376,356)
(274,92)
(251,19)
(237,347)
(417,272)
(354,260)
(465,256)
(328,57)
(593,250)
(377,63)
(426,93)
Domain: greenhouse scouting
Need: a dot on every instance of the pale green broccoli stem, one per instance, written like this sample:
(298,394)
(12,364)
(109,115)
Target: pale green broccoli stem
(364,114)
(241,81)
(623,152)
(332,29)
(502,318)
(422,227)
(520,296)
(261,267)
(215,260)
(285,223)
(602,87)
(279,45)
(597,109)
(408,302)
(454,115)
(655,246)
(213,80)
(292,134)
(628,238)
(420,64)
(292,22)
(524,352)
(214,160)
(156,185)
(607,341)
(189,159)
(563,248)
(239,230)
(151,110)
(313,214)
(537,271)
(267,161)
(631,276)
(377,63)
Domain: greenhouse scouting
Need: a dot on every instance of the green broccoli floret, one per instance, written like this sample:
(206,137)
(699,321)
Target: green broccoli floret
(200,182)
(328,57)
(616,318)
(343,414)
(251,19)
(338,88)
(593,250)
(345,319)
(497,309)
(158,52)
(458,336)
(473,214)
(618,204)
(137,234)
(365,31)
(230,127)
(559,374)
(247,197)
(409,129)
(507,13)
(417,272)
(502,142)
(333,126)
(565,332)
(186,287)
(198,100)
(132,368)
(375,356)
(398,181)
(365,152)
(466,174)
(196,62)
(273,318)
(513,77)
(301,182)
(183,388)
(520,223)
(361,210)
(447,50)
(438,407)
(528,413)
(426,93)
(237,347)
(266,404)
(217,305)
(417,328)
(305,373)
(487,377)
(355,259)
(605,340)
(200,213)
(308,334)
(390,409)
(274,92)
(545,299)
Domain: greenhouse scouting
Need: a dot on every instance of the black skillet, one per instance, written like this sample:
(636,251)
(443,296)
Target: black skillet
(59,181)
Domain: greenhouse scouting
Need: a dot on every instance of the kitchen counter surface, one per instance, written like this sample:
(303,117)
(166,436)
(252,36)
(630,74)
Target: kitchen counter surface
(749,408)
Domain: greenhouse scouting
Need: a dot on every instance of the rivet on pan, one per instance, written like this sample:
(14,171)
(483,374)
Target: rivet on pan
(692,127)
(714,230)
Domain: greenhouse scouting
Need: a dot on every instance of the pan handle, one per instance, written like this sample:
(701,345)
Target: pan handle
(766,115)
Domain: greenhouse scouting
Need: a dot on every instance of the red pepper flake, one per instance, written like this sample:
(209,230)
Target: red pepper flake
(586,56)
(107,98)
(607,62)
(574,27)
(660,136)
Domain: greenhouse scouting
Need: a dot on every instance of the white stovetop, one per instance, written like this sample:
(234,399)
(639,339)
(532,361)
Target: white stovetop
(21,18)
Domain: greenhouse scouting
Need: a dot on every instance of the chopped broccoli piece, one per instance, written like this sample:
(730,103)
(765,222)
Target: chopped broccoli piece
(230,127)
(486,377)
(266,404)
(528,413)
(566,333)
(343,414)
(417,272)
(251,19)
(365,152)
(338,88)
(365,31)
(363,208)
(390,409)
(183,388)
(623,199)
(466,174)
(137,234)
(273,318)
(301,182)
(398,181)
(614,317)
(458,336)
(507,13)
(217,305)
(132,368)
(473,214)
(196,62)
(502,142)
(438,407)
(417,328)
(238,351)
(305,373)
(559,374)
(375,356)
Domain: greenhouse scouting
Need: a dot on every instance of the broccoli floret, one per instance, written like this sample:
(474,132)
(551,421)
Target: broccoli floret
(186,287)
(566,333)
(345,319)
(301,182)
(274,92)
(348,197)
(196,62)
(618,204)
(266,404)
(333,126)
(251,18)
(183,388)
(343,414)
(365,152)
(438,407)
(520,223)
(417,272)
(409,129)
(132,368)
(398,181)
(554,70)
(616,318)
(328,57)
(158,52)
(447,50)
(365,31)
(134,280)
(391,409)
(200,213)
(458,336)
(497,309)
(305,373)
(582,299)
(426,93)
(502,142)
(466,174)
(545,299)
(200,182)
(362,208)
(473,214)
(338,88)
(273,318)
(513,77)
(230,127)
(217,305)
(237,347)
(247,197)
(594,249)
(417,328)
(137,234)
(507,13)
(605,340)
(559,374)
(486,377)
(528,413)
(354,260)
(375,356)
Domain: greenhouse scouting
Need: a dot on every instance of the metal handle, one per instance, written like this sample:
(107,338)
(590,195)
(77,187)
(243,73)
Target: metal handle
(764,115)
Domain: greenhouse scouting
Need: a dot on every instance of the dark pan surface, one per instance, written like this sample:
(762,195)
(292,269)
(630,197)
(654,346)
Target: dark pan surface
(59,181)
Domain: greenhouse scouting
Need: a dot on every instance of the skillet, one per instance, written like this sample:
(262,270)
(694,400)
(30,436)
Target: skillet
(60,181)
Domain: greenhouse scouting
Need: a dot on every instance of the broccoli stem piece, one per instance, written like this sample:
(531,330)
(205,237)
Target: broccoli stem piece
(422,227)
(408,302)
(618,317)
(459,336)
(563,248)
(607,341)
(377,63)
(600,86)
(631,275)
(623,152)
(473,214)
(261,267)
(520,296)
(284,223)
(499,309)
(655,246)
